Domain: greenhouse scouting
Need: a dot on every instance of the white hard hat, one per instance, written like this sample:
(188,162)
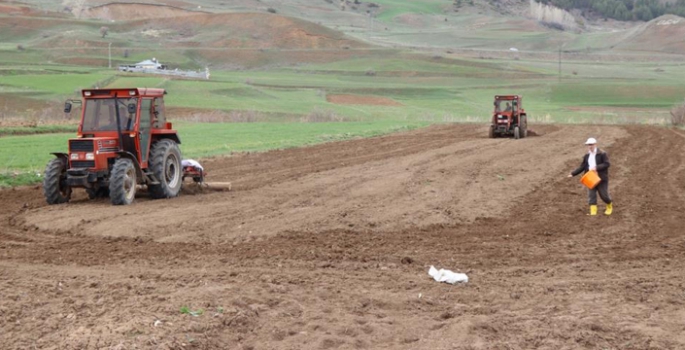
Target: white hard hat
(591,141)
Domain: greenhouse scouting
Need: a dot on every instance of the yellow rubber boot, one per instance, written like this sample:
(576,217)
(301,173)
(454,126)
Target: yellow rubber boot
(593,210)
(610,209)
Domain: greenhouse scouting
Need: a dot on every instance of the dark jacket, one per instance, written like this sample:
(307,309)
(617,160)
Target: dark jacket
(602,159)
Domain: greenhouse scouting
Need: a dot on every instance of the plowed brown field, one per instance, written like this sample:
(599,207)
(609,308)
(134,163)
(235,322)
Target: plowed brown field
(328,247)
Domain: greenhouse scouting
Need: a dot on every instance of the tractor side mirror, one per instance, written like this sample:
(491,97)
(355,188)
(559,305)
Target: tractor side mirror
(67,107)
(131,108)
(516,103)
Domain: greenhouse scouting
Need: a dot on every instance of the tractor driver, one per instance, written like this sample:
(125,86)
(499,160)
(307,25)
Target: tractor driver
(507,108)
(124,118)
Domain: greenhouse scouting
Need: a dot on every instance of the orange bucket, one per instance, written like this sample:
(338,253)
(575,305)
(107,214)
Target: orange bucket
(590,179)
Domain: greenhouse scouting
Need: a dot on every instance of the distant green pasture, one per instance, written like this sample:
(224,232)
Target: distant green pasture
(392,8)
(646,95)
(203,140)
(428,88)
(50,84)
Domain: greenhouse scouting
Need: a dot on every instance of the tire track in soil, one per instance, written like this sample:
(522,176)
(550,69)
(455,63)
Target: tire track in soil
(542,276)
(275,167)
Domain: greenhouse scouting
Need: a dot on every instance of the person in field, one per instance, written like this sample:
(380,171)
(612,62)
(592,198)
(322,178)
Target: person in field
(596,160)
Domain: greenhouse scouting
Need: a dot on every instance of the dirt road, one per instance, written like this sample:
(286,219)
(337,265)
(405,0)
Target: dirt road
(328,247)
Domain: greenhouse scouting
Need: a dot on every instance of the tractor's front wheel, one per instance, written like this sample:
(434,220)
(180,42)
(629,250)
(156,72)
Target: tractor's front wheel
(165,163)
(491,132)
(517,133)
(122,182)
(54,188)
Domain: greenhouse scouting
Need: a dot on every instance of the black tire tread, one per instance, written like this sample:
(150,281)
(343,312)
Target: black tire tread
(51,181)
(117,192)
(524,126)
(157,157)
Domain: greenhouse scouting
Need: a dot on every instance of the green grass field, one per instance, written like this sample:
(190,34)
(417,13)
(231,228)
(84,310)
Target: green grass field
(40,129)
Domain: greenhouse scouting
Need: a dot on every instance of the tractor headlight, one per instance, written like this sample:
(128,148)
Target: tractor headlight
(74,156)
(90,156)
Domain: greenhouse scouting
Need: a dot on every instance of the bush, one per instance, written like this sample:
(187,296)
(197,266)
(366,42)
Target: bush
(20,47)
(370,72)
(271,10)
(678,114)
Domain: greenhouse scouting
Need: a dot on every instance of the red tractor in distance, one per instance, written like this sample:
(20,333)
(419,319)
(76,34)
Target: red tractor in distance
(509,117)
(123,141)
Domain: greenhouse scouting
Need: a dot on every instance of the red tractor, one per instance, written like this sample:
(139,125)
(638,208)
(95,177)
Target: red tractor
(123,141)
(509,118)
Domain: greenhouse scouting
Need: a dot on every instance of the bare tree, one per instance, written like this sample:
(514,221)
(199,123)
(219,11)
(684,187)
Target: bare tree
(104,31)
(678,114)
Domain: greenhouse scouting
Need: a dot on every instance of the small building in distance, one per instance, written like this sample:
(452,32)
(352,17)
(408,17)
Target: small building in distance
(147,64)
(154,67)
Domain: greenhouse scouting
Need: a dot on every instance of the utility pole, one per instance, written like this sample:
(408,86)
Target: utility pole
(371,16)
(559,63)
(109,49)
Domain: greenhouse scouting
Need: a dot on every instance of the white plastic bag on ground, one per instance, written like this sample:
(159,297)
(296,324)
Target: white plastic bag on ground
(447,276)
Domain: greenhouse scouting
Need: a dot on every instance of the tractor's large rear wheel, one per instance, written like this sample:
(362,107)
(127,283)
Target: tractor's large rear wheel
(165,163)
(517,132)
(54,188)
(122,182)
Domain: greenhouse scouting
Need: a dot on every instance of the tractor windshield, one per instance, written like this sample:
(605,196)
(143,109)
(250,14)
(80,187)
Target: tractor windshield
(100,114)
(503,105)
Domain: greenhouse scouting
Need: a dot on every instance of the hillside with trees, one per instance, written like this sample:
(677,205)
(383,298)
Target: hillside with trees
(622,10)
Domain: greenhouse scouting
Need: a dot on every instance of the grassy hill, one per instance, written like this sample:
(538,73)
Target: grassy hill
(194,33)
(664,34)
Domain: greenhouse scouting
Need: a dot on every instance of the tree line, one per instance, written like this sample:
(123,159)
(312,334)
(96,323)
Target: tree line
(623,10)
